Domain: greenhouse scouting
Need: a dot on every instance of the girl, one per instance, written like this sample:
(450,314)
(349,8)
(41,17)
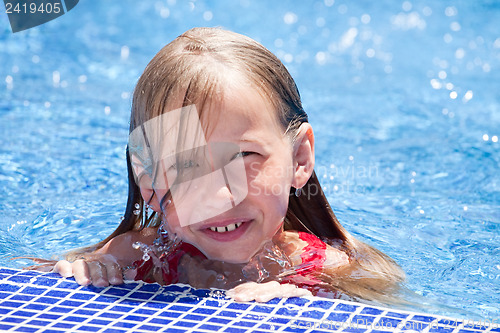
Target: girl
(222,191)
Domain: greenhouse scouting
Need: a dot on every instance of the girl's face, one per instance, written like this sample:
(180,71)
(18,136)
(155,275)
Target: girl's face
(271,166)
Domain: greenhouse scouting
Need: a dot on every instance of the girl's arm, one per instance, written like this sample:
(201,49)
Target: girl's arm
(105,265)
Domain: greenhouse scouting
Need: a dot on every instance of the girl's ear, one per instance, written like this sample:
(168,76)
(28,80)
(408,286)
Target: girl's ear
(303,155)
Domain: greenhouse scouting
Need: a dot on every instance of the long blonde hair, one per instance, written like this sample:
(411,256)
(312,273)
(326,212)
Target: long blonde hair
(191,66)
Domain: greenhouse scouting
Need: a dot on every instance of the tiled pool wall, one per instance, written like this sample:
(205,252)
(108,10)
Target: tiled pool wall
(44,302)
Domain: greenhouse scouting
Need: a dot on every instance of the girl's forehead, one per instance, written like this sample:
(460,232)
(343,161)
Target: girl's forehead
(239,111)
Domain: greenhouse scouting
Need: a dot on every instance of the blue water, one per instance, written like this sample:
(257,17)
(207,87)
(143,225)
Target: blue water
(403,96)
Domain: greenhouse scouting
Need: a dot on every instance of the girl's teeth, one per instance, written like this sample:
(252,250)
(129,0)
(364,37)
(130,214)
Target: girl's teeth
(227,228)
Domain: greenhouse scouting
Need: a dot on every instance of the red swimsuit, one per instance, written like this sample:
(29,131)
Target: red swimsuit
(305,274)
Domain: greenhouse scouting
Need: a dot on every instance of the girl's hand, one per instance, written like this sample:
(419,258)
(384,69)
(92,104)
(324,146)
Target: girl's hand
(100,271)
(104,266)
(264,292)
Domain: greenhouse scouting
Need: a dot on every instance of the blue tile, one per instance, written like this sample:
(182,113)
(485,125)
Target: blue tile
(175,330)
(95,306)
(232,314)
(204,311)
(35,306)
(262,308)
(140,295)
(45,282)
(116,292)
(219,320)
(8,271)
(124,325)
(296,301)
(371,311)
(50,316)
(73,304)
(160,321)
(86,328)
(156,305)
(22,298)
(33,291)
(189,300)
(22,313)
(388,322)
(145,312)
(105,299)
(119,308)
(346,307)
(100,322)
(149,328)
(238,306)
(114,330)
(321,304)
(5,327)
(279,320)
(165,298)
(51,330)
(203,293)
(65,284)
(4,295)
(245,323)
(215,304)
(20,279)
(338,316)
(85,312)
(209,327)
(287,312)
(60,309)
(170,314)
(362,320)
(47,300)
(86,297)
(194,317)
(57,293)
(76,319)
(10,304)
(396,315)
(5,311)
(14,320)
(135,318)
(185,324)
(426,319)
(313,314)
(111,315)
(27,329)
(9,287)
(180,308)
(236,330)
(37,322)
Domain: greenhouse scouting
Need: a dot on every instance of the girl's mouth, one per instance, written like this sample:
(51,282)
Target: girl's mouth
(227,231)
(227,228)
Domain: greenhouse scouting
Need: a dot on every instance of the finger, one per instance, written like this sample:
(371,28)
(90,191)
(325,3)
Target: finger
(64,268)
(114,273)
(98,274)
(81,272)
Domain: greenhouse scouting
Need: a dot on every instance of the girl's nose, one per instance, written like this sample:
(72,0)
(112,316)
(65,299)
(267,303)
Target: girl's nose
(221,197)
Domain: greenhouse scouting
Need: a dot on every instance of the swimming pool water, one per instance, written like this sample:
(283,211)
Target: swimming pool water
(403,96)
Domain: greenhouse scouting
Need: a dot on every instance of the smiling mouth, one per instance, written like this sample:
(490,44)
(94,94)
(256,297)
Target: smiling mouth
(227,228)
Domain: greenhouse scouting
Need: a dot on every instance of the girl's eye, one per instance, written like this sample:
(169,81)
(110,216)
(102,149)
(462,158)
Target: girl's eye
(184,165)
(242,154)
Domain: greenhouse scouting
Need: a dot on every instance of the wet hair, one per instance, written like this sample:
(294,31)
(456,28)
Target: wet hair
(193,66)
